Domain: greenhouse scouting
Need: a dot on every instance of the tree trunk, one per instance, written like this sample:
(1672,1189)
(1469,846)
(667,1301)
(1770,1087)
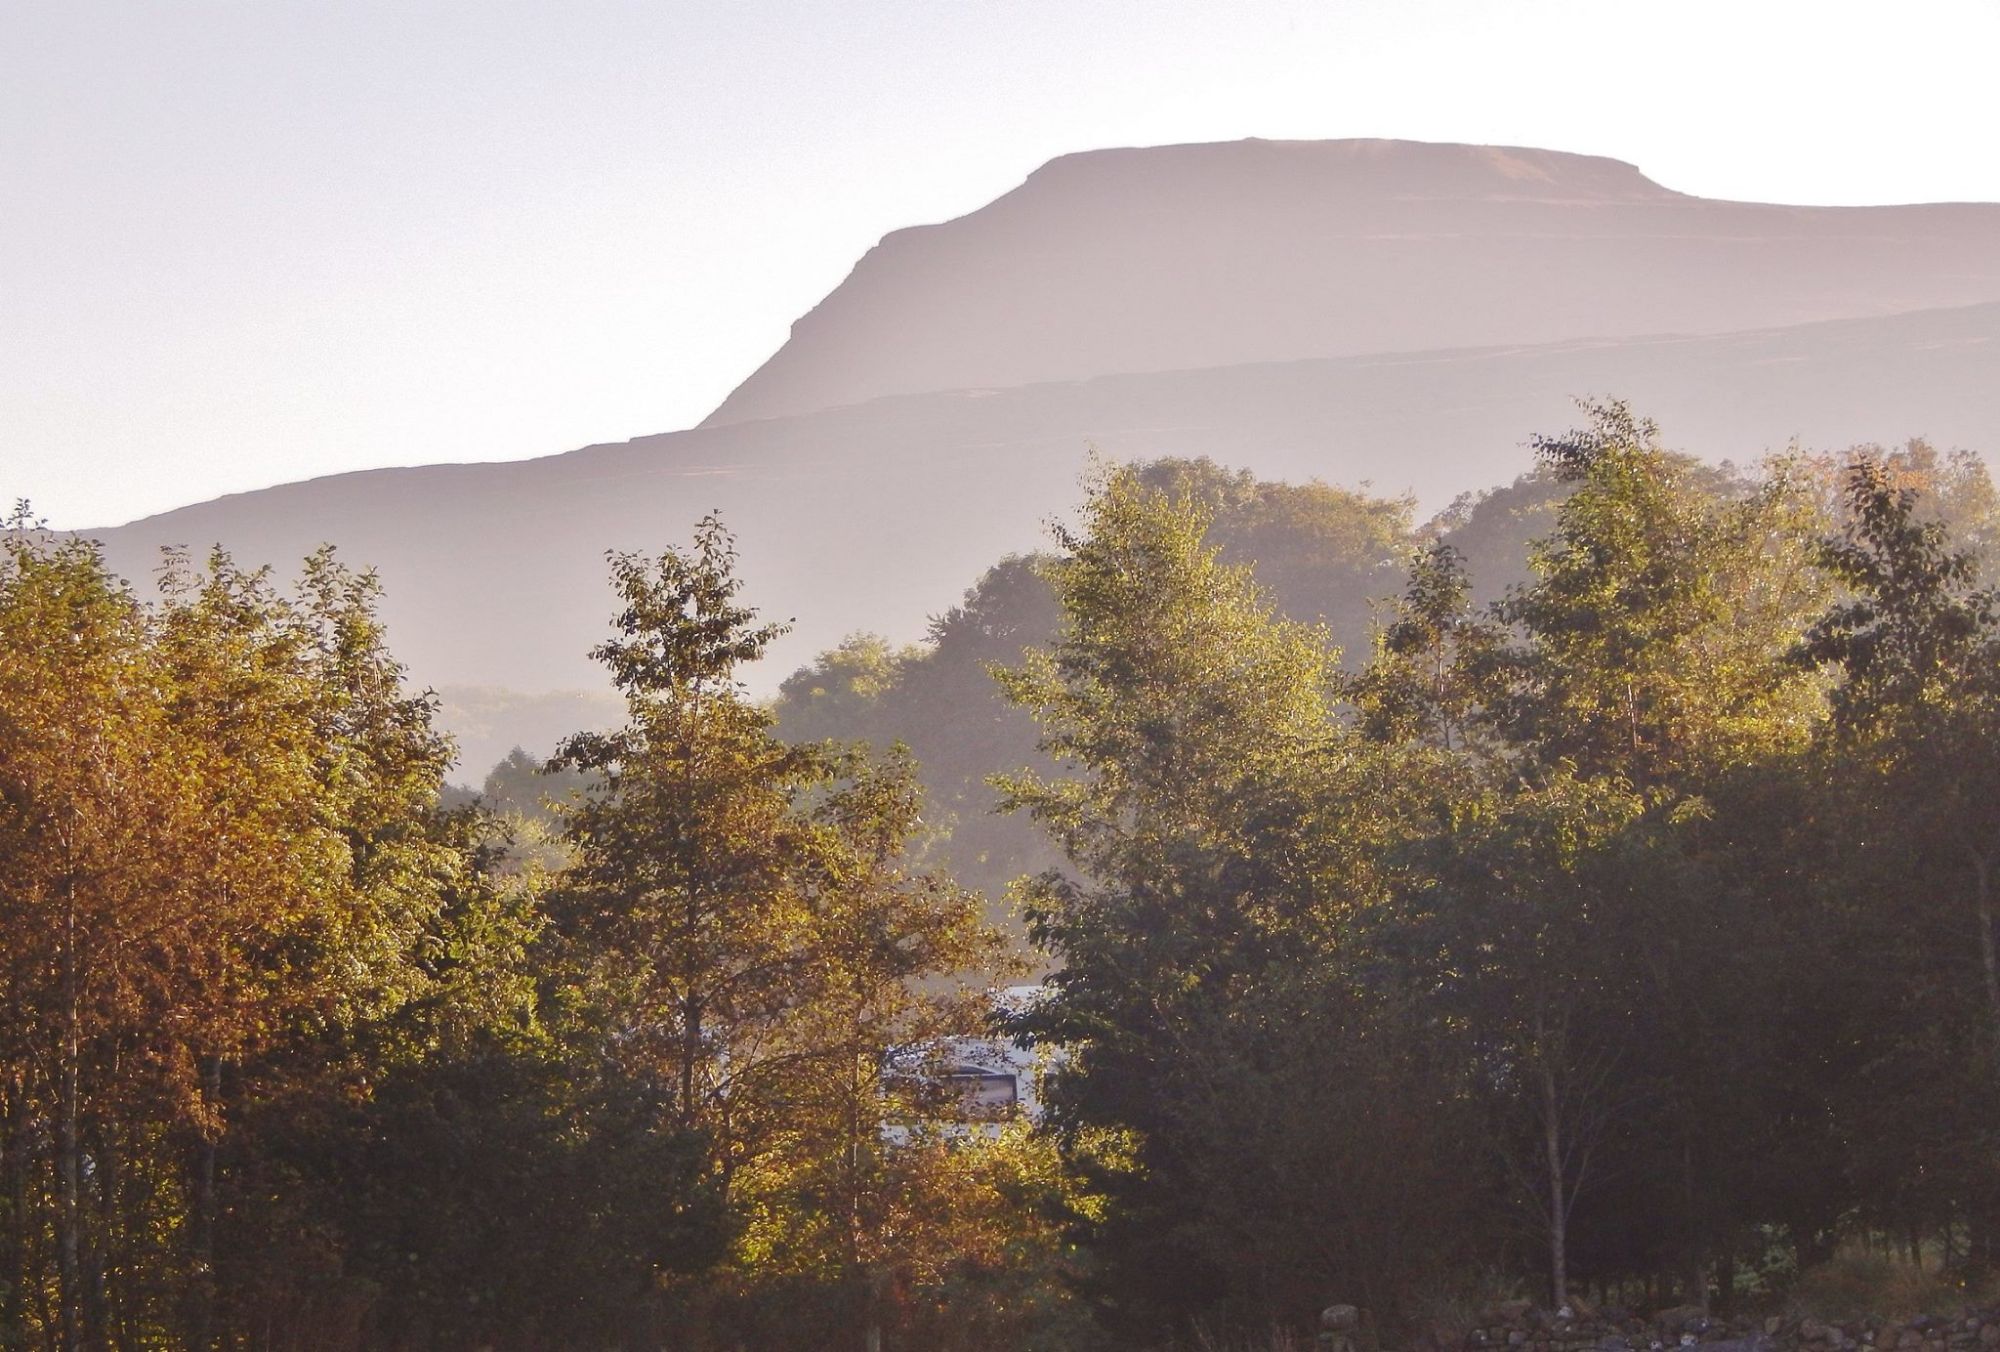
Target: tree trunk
(872,1342)
(867,1280)
(14,1318)
(201,1315)
(1697,1267)
(1982,1234)
(97,1256)
(69,1146)
(1989,945)
(1558,1190)
(690,1057)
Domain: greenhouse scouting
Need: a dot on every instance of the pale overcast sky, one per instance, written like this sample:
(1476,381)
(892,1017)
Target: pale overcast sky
(243,243)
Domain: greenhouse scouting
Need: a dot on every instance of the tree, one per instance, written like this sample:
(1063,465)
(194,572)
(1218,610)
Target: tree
(1321,553)
(1916,643)
(683,891)
(216,816)
(743,915)
(1436,665)
(1225,837)
(89,813)
(1533,927)
(1659,615)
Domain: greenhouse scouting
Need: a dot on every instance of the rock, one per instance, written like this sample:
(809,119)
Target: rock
(1678,1317)
(1337,1327)
(1772,1325)
(1989,1336)
(1756,1342)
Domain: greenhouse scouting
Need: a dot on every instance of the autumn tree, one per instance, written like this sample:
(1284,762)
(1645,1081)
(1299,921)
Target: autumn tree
(227,874)
(744,913)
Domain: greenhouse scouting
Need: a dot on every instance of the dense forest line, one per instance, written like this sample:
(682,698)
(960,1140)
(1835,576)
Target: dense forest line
(1586,894)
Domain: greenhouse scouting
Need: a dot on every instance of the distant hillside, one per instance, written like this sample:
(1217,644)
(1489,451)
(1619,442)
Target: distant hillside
(1194,256)
(492,722)
(875,516)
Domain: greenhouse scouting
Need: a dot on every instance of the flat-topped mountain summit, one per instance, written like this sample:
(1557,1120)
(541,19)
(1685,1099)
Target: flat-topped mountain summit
(1195,256)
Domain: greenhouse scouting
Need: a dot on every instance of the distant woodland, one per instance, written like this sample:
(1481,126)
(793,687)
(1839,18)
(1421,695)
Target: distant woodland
(1586,895)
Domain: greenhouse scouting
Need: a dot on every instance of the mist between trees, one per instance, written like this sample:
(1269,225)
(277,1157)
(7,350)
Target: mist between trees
(1588,892)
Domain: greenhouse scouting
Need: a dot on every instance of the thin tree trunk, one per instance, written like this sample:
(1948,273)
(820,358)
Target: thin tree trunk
(872,1341)
(691,1017)
(201,1319)
(1982,1234)
(860,1273)
(1697,1269)
(69,1147)
(14,1318)
(98,1256)
(1989,945)
(1558,1190)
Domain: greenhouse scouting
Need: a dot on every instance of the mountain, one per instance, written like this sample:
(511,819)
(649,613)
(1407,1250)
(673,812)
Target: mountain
(1185,257)
(1401,314)
(875,515)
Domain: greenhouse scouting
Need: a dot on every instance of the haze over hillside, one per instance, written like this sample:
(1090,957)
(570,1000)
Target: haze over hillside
(874,515)
(1403,314)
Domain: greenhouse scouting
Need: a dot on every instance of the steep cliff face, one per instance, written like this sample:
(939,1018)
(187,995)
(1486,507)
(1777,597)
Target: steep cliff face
(1186,257)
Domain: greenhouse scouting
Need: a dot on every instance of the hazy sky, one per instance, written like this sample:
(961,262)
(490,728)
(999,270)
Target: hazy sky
(242,243)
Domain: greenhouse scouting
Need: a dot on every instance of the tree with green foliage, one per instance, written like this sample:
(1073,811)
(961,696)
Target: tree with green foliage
(1658,616)
(1651,666)
(1322,553)
(1915,641)
(1535,926)
(1437,661)
(1224,832)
